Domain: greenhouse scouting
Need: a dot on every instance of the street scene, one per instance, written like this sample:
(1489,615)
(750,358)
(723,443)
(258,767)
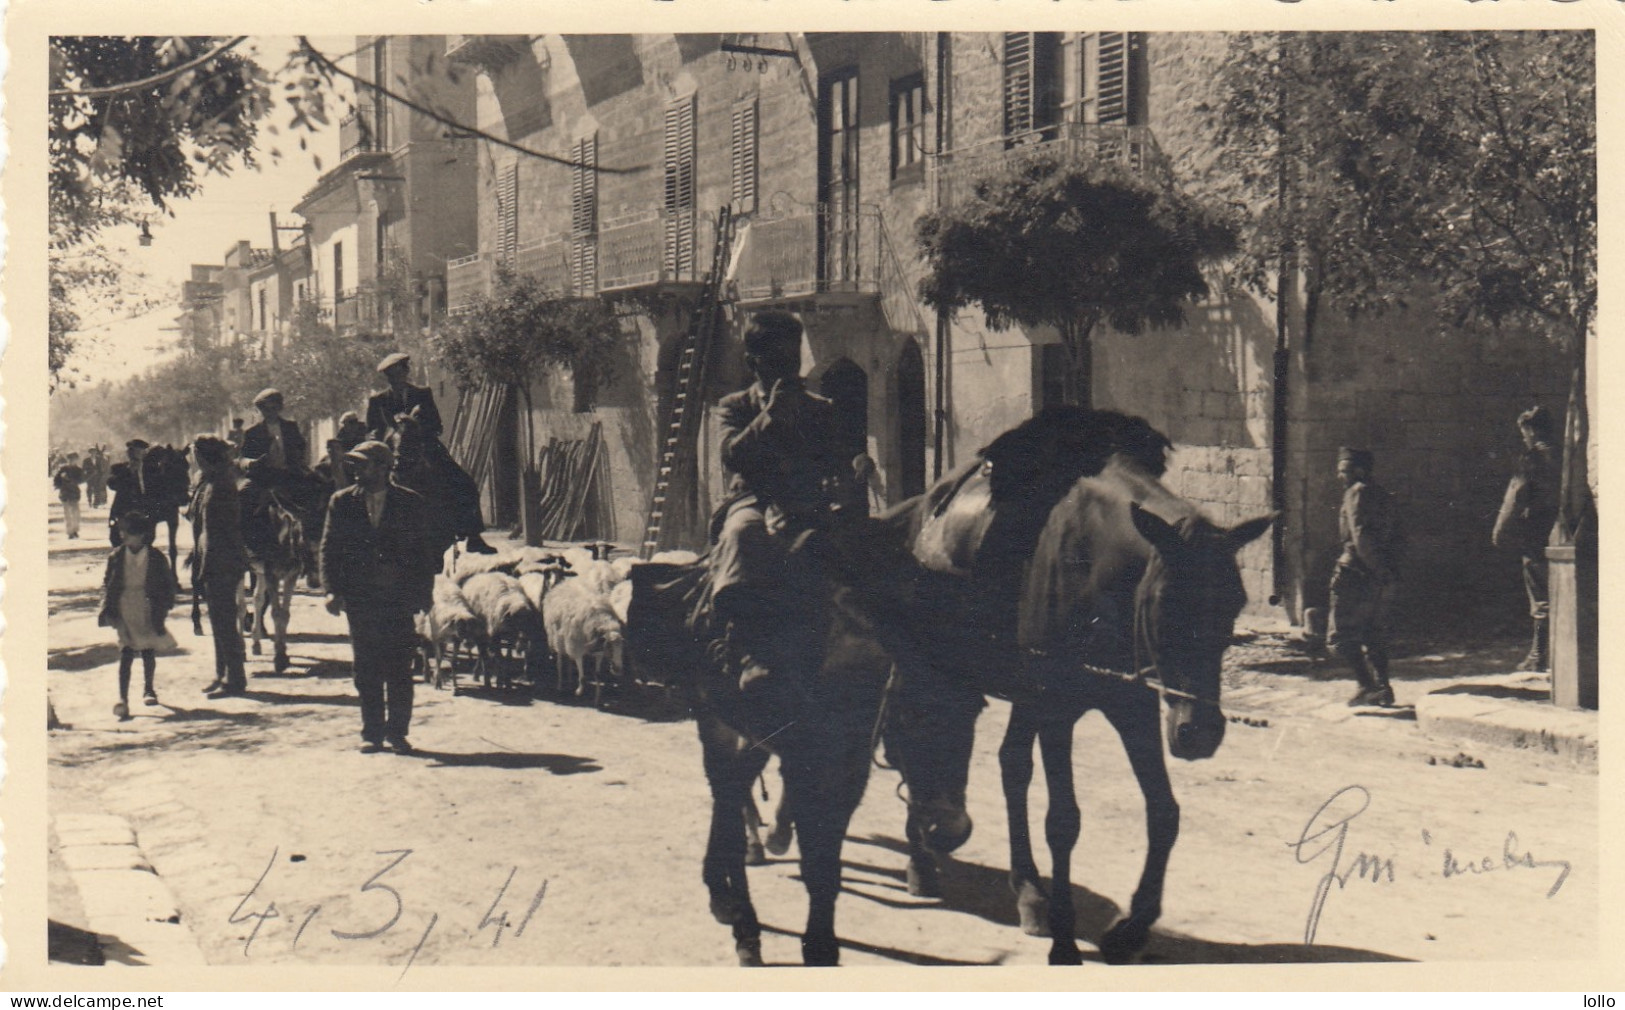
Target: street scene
(880,499)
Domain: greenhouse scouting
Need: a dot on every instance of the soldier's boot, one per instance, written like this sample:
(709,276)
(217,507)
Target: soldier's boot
(1539,659)
(1354,656)
(1382,693)
(476,545)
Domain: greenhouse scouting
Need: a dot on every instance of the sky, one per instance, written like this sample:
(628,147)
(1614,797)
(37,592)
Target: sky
(228,208)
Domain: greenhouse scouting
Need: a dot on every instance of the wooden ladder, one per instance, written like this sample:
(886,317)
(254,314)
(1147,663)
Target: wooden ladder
(687,405)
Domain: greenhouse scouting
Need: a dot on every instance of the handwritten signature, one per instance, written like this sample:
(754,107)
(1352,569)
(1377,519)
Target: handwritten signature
(495,916)
(1327,830)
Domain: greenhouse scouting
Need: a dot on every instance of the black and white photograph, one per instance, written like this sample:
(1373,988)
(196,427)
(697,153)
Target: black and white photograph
(1076,500)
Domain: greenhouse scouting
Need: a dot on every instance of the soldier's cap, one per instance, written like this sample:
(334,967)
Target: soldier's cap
(267,395)
(1537,419)
(371,450)
(390,361)
(1359,457)
(137,443)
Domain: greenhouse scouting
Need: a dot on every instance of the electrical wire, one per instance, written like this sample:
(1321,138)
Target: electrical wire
(147,82)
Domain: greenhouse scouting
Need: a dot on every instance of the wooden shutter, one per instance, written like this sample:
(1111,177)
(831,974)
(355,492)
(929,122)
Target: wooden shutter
(584,217)
(508,213)
(1018,83)
(743,191)
(681,197)
(1121,57)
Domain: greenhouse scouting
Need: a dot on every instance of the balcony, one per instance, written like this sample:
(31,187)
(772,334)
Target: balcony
(549,262)
(466,278)
(652,248)
(1133,147)
(360,133)
(808,251)
(486,52)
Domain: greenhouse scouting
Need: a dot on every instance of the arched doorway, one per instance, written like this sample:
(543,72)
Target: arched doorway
(847,387)
(911,420)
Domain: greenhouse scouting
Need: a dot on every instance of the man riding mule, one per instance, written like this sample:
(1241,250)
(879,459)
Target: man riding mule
(446,485)
(276,460)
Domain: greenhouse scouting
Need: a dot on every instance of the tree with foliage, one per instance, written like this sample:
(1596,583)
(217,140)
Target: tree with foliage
(513,335)
(1070,243)
(1385,164)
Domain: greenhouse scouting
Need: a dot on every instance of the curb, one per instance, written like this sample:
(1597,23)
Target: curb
(1510,711)
(126,903)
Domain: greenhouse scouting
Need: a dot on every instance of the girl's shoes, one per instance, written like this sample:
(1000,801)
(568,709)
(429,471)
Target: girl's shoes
(150,698)
(122,711)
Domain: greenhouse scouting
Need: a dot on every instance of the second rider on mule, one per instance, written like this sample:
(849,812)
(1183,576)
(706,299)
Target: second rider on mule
(402,397)
(778,445)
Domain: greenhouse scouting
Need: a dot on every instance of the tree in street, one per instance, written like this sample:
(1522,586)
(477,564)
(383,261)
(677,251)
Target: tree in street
(1070,243)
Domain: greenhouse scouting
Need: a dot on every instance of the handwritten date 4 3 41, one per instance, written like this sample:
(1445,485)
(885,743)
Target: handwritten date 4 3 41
(389,901)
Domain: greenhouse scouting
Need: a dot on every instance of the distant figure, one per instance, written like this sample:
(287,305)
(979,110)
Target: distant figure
(1528,513)
(95,466)
(219,558)
(67,479)
(868,496)
(351,431)
(452,488)
(137,486)
(379,557)
(137,591)
(235,437)
(1366,579)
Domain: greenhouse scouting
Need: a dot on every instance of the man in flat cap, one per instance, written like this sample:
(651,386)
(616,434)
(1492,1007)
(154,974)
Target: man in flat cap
(1528,513)
(451,486)
(137,486)
(379,556)
(778,447)
(1366,578)
(277,460)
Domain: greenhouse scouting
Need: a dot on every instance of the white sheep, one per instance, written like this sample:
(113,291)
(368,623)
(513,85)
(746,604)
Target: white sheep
(585,634)
(512,625)
(444,628)
(470,565)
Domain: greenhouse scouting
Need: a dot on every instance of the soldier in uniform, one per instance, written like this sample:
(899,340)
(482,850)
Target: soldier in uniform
(778,446)
(1366,578)
(1528,513)
(402,397)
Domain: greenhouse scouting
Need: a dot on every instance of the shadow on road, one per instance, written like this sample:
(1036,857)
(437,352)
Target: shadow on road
(558,764)
(278,698)
(984,891)
(890,953)
(67,944)
(79,660)
(60,601)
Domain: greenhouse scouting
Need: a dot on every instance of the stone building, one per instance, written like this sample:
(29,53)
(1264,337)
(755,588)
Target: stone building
(829,148)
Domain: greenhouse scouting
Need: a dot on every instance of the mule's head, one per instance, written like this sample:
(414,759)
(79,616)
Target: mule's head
(1185,613)
(930,727)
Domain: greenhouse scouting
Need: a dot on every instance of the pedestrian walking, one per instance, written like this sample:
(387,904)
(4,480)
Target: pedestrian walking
(95,466)
(1528,513)
(219,558)
(1366,578)
(235,437)
(137,486)
(67,479)
(379,556)
(137,591)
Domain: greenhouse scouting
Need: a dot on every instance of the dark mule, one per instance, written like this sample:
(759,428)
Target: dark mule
(825,756)
(417,470)
(1070,579)
(173,492)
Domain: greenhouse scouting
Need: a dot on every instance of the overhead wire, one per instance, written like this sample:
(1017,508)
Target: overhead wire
(147,82)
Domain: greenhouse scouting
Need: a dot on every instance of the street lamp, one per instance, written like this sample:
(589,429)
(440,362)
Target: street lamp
(145,238)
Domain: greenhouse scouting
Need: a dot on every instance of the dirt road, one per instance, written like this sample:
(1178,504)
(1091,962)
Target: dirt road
(528,832)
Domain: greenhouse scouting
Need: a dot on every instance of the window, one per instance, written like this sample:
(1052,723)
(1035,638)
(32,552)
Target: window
(380,76)
(908,128)
(680,156)
(262,310)
(838,189)
(745,145)
(508,213)
(338,270)
(1030,107)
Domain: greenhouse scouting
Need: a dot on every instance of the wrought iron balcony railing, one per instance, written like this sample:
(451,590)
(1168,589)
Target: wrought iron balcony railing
(359,132)
(466,278)
(549,262)
(811,250)
(653,247)
(1133,147)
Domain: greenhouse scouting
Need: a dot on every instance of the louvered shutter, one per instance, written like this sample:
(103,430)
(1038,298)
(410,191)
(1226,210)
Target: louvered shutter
(1018,83)
(1121,54)
(743,192)
(681,197)
(584,217)
(508,208)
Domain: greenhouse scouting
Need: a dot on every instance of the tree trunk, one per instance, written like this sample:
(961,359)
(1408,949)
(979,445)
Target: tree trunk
(1079,382)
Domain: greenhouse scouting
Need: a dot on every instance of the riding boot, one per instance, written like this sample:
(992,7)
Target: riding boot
(476,545)
(1353,655)
(1539,658)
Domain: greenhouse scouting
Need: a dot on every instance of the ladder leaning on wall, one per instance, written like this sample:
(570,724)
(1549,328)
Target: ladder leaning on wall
(688,402)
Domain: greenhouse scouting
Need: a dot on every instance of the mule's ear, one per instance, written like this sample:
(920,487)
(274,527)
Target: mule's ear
(1245,533)
(1158,533)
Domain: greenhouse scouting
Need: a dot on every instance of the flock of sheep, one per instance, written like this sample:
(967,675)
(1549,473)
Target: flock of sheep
(510,610)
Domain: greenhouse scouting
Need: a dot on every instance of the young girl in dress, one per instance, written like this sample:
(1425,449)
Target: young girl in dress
(137,592)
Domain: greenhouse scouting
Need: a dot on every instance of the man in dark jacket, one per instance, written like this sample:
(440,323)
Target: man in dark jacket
(402,398)
(1366,579)
(778,446)
(137,486)
(219,558)
(379,557)
(67,479)
(1528,513)
(277,461)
